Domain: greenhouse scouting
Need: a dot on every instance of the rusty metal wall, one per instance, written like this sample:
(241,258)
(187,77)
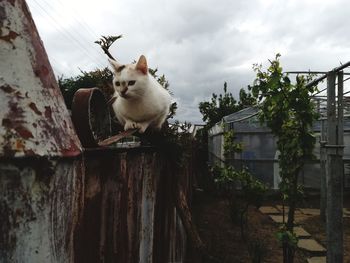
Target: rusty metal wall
(34,119)
(40,169)
(129,210)
(62,203)
(38,209)
(108,206)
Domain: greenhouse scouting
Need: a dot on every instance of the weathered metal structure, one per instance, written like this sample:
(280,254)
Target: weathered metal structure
(60,202)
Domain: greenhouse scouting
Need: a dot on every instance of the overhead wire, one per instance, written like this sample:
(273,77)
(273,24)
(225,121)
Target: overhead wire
(76,15)
(83,26)
(66,33)
(81,21)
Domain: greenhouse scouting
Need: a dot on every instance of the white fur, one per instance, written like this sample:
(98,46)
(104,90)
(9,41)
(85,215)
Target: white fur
(145,104)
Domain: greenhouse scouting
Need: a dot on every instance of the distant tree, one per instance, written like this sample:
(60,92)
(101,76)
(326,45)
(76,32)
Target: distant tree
(246,99)
(96,78)
(224,104)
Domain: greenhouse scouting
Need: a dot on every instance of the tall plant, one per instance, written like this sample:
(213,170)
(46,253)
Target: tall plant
(287,109)
(252,190)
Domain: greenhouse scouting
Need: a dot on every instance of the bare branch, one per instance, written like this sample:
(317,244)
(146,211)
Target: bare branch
(106,42)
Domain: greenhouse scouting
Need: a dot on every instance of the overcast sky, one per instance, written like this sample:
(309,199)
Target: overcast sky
(198,45)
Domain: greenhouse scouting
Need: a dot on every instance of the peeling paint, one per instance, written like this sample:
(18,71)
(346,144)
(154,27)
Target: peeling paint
(57,202)
(31,105)
(7,89)
(10,37)
(34,108)
(37,219)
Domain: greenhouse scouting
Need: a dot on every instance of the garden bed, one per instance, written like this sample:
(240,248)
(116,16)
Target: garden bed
(223,240)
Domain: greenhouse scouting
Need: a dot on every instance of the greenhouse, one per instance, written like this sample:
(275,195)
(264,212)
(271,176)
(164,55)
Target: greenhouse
(259,153)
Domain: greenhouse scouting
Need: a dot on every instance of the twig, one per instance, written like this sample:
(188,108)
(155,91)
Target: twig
(117,137)
(106,42)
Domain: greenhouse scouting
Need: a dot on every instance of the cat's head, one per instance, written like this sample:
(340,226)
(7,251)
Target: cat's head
(130,80)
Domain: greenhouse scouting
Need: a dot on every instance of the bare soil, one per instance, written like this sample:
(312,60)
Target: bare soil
(222,236)
(317,228)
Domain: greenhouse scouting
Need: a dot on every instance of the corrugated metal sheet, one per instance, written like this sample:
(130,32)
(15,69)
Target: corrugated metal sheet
(34,119)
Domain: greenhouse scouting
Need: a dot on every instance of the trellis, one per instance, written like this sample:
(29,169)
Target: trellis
(331,107)
(331,155)
(332,145)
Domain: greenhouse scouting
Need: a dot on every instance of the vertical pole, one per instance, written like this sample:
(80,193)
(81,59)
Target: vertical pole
(334,177)
(318,106)
(323,188)
(340,111)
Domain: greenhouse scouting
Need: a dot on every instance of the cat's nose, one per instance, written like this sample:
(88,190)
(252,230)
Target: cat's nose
(123,92)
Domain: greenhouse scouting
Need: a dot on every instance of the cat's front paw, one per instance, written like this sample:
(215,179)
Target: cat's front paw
(143,127)
(136,125)
(131,125)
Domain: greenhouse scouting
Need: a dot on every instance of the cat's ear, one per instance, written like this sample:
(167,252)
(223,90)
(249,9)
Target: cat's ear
(114,64)
(142,65)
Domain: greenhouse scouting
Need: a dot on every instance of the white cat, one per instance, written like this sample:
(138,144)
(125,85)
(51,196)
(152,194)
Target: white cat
(141,101)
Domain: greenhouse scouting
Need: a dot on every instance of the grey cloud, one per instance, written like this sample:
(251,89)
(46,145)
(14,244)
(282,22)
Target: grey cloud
(200,44)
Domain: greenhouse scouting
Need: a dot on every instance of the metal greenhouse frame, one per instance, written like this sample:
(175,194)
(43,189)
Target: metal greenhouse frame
(330,172)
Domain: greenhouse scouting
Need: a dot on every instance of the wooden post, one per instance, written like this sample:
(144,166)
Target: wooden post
(334,174)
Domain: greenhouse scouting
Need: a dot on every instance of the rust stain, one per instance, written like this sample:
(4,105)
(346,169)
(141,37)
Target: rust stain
(40,64)
(41,71)
(20,145)
(33,106)
(15,111)
(15,121)
(12,35)
(27,119)
(71,150)
(29,152)
(6,123)
(23,132)
(7,88)
(18,127)
(48,112)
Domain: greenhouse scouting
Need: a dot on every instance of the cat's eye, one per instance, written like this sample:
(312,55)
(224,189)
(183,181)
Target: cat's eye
(117,83)
(131,82)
